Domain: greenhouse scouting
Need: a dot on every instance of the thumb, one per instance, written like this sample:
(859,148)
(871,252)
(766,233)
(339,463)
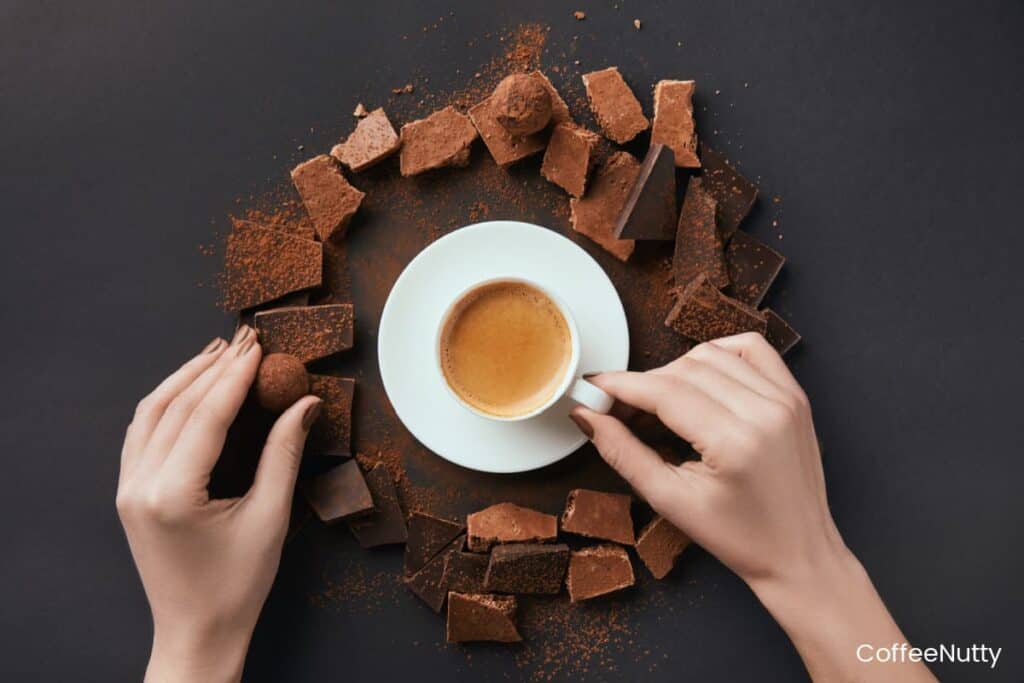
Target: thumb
(282,454)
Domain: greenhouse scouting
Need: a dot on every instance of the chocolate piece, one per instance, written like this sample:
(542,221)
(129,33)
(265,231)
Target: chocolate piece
(281,380)
(306,332)
(779,334)
(703,313)
(559,109)
(386,524)
(331,433)
(597,571)
(615,107)
(465,572)
(569,157)
(698,245)
(650,209)
(330,200)
(753,267)
(734,193)
(373,140)
(522,104)
(428,536)
(294,229)
(442,139)
(262,265)
(659,544)
(503,146)
(673,121)
(339,493)
(477,616)
(428,583)
(527,568)
(595,214)
(597,514)
(509,523)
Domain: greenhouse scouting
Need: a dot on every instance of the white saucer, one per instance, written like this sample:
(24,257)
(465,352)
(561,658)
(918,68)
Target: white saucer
(408,324)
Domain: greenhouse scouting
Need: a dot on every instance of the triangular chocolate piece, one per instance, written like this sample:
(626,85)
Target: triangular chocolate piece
(428,536)
(753,267)
(428,583)
(734,193)
(650,209)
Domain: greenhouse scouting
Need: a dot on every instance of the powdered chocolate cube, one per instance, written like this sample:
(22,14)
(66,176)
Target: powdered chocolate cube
(482,617)
(597,514)
(330,200)
(753,267)
(527,568)
(779,333)
(659,544)
(339,493)
(598,570)
(262,265)
(306,332)
(373,140)
(596,214)
(615,107)
(509,523)
(673,121)
(569,158)
(698,247)
(442,139)
(734,193)
(703,313)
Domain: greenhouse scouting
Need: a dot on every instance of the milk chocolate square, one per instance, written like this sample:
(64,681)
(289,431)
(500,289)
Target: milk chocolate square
(428,535)
(339,493)
(482,617)
(442,139)
(659,544)
(527,568)
(598,570)
(596,214)
(734,193)
(779,333)
(703,313)
(509,523)
(331,434)
(615,107)
(698,246)
(329,198)
(373,140)
(386,524)
(673,121)
(306,332)
(597,514)
(570,157)
(753,267)
(262,265)
(650,209)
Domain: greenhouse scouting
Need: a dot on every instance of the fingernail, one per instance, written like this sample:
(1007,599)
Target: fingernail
(590,375)
(311,414)
(241,335)
(584,426)
(214,345)
(246,347)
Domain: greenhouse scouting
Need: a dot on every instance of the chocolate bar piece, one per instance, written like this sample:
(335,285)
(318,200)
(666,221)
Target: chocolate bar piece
(331,434)
(598,570)
(650,209)
(753,267)
(569,157)
(615,107)
(509,523)
(673,121)
(339,493)
(386,524)
(596,514)
(703,313)
(659,544)
(329,198)
(442,139)
(595,214)
(261,265)
(373,140)
(428,583)
(478,616)
(307,332)
(734,193)
(779,333)
(428,535)
(503,146)
(465,572)
(527,568)
(698,245)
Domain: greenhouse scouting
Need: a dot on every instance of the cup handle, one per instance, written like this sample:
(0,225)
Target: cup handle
(592,397)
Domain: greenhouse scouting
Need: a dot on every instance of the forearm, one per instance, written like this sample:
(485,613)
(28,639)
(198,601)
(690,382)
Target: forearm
(197,655)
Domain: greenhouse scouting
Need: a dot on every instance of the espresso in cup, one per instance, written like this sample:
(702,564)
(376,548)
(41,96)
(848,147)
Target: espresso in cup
(505,348)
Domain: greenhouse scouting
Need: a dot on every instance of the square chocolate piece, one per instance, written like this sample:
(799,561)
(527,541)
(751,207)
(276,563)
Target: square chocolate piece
(465,572)
(339,493)
(442,139)
(596,214)
(598,570)
(306,332)
(261,265)
(650,209)
(386,524)
(373,140)
(331,434)
(734,193)
(428,583)
(703,313)
(503,146)
(330,200)
(596,514)
(615,107)
(753,267)
(569,157)
(698,245)
(659,544)
(673,121)
(428,535)
(482,617)
(779,333)
(527,568)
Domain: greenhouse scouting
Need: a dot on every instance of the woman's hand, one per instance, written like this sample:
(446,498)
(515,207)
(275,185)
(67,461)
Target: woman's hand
(206,565)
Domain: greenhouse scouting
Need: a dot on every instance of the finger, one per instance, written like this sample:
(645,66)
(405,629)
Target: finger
(730,364)
(737,397)
(282,455)
(755,349)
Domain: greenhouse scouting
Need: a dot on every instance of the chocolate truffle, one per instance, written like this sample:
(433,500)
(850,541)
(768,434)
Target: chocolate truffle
(281,381)
(522,104)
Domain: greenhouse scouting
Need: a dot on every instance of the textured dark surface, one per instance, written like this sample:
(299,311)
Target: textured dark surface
(890,130)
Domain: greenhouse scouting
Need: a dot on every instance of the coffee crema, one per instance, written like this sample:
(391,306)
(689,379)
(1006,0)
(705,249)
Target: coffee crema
(505,348)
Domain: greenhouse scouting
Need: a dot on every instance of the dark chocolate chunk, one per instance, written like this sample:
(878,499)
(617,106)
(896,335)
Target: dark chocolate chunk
(527,568)
(428,583)
(329,198)
(734,193)
(339,493)
(261,265)
(465,572)
(308,332)
(752,266)
(428,536)
(596,213)
(779,333)
(509,523)
(659,544)
(703,313)
(482,617)
(597,571)
(331,434)
(698,246)
(650,209)
(386,524)
(597,514)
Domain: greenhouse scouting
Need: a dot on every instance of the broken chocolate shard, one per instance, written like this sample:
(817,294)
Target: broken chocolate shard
(481,617)
(331,434)
(329,198)
(505,148)
(734,193)
(595,214)
(428,535)
(698,247)
(308,332)
(465,572)
(509,523)
(598,570)
(650,209)
(703,313)
(596,514)
(779,333)
(428,583)
(658,546)
(673,121)
(262,265)
(340,493)
(530,568)
(614,105)
(570,157)
(442,139)
(753,267)
(373,140)
(386,524)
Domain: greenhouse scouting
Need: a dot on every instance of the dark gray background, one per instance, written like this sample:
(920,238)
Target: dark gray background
(890,129)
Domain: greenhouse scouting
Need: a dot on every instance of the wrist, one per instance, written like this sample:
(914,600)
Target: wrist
(190,652)
(817,583)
